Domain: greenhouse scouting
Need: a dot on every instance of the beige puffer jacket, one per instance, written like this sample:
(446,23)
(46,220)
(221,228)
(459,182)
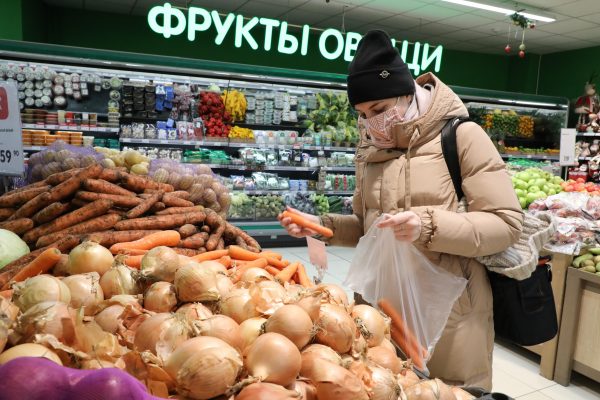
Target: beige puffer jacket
(417,178)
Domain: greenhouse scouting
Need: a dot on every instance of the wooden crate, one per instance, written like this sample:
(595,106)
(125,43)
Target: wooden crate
(579,337)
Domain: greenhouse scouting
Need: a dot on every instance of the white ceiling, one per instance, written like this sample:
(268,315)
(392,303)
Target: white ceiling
(458,27)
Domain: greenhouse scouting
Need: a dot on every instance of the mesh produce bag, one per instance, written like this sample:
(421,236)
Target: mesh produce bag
(59,157)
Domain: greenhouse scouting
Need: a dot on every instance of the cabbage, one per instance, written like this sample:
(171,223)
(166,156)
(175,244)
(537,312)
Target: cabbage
(11,247)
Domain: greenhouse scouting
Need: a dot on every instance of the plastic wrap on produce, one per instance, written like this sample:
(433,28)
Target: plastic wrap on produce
(300,201)
(59,157)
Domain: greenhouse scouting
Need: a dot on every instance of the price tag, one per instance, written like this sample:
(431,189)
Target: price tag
(11,138)
(145,141)
(317,254)
(567,147)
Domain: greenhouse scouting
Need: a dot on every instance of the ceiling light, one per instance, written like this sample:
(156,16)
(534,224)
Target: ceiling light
(500,10)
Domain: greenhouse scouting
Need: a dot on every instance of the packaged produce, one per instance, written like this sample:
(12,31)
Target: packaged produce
(300,201)
(242,207)
(268,207)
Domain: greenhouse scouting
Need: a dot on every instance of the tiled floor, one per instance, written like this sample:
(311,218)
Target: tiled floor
(516,371)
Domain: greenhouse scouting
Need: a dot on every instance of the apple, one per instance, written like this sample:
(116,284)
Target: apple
(520,184)
(520,192)
(531,197)
(540,182)
(533,189)
(523,202)
(558,180)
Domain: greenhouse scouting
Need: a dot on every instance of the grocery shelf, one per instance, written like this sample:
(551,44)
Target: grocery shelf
(72,128)
(274,168)
(34,148)
(531,156)
(280,192)
(164,141)
(589,134)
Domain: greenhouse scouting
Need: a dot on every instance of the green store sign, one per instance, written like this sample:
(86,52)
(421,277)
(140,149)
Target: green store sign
(170,21)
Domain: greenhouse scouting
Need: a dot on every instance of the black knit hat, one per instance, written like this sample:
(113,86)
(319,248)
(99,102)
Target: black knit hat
(377,71)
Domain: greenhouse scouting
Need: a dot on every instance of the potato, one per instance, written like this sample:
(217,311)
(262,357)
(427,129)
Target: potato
(596,259)
(133,157)
(589,263)
(108,163)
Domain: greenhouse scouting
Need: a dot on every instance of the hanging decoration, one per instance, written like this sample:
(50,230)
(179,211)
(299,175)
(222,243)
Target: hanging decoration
(520,21)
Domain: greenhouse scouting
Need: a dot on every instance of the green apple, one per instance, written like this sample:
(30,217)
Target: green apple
(558,180)
(541,194)
(533,189)
(520,192)
(520,184)
(523,202)
(551,192)
(524,176)
(531,197)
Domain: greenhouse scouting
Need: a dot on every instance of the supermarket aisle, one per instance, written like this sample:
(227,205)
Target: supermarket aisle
(515,369)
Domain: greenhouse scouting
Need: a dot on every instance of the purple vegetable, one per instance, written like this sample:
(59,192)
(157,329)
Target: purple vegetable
(110,383)
(33,378)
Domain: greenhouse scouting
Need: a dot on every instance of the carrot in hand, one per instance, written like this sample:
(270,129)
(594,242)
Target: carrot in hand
(303,278)
(210,255)
(41,264)
(163,238)
(304,223)
(287,273)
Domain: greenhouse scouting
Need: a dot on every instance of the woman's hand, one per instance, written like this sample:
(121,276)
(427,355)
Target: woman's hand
(295,230)
(406,225)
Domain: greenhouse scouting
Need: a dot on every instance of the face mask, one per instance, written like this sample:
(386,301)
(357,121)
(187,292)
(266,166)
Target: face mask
(379,127)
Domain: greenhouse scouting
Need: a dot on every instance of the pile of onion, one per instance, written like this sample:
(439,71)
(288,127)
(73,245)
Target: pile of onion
(292,322)
(433,389)
(268,296)
(384,385)
(85,291)
(273,358)
(160,297)
(331,380)
(195,283)
(250,329)
(311,303)
(194,311)
(270,391)
(239,305)
(371,323)
(160,264)
(204,367)
(50,317)
(38,289)
(222,327)
(29,350)
(385,358)
(334,294)
(336,328)
(120,279)
(161,334)
(321,351)
(89,257)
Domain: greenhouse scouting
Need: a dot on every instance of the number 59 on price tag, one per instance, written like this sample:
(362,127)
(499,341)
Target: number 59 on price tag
(11,141)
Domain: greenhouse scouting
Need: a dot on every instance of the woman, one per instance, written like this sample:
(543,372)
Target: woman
(401,174)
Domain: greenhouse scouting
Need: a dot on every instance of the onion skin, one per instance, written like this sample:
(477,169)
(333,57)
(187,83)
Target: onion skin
(96,364)
(324,352)
(372,321)
(119,280)
(336,328)
(252,275)
(222,327)
(214,266)
(160,297)
(194,283)
(384,358)
(108,319)
(311,303)
(204,367)
(90,257)
(160,264)
(273,358)
(384,385)
(433,389)
(267,391)
(48,317)
(238,305)
(194,311)
(307,390)
(39,289)
(29,350)
(161,334)
(292,322)
(334,294)
(407,377)
(224,284)
(251,329)
(85,291)
(333,381)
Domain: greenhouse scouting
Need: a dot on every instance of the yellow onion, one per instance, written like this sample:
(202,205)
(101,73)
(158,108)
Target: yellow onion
(29,350)
(311,303)
(370,322)
(96,364)
(334,294)
(224,284)
(385,358)
(96,342)
(50,317)
(194,283)
(268,296)
(214,266)
(203,367)
(292,322)
(160,297)
(273,358)
(8,310)
(238,304)
(306,389)
(388,345)
(322,351)
(222,327)
(85,291)
(433,389)
(120,279)
(336,328)
(62,266)
(333,381)
(38,289)
(270,391)
(90,257)
(194,311)
(108,319)
(255,274)
(384,385)
(250,329)
(161,334)
(407,377)
(160,264)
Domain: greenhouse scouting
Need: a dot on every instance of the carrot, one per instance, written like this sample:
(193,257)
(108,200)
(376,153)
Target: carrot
(116,211)
(239,241)
(189,252)
(164,238)
(60,177)
(271,254)
(133,261)
(161,221)
(32,206)
(210,255)
(97,224)
(158,206)
(145,205)
(102,186)
(303,278)
(179,210)
(97,208)
(77,203)
(402,334)
(18,226)
(72,185)
(6,213)
(225,261)
(16,199)
(272,270)
(303,222)
(27,187)
(7,294)
(51,212)
(187,230)
(182,194)
(40,265)
(195,241)
(110,175)
(138,184)
(118,200)
(205,228)
(215,238)
(221,245)
(108,238)
(286,274)
(174,201)
(133,252)
(239,253)
(233,232)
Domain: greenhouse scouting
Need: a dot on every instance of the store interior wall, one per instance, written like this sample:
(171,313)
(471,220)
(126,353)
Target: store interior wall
(559,74)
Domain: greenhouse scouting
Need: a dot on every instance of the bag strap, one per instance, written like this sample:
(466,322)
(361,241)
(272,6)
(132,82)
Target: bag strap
(450,152)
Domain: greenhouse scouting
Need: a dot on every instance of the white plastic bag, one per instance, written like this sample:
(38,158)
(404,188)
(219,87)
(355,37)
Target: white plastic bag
(420,292)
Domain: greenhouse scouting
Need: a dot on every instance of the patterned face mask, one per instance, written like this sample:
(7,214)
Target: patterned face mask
(379,127)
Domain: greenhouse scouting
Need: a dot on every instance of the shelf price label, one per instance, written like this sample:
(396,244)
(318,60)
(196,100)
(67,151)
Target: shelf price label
(567,147)
(11,140)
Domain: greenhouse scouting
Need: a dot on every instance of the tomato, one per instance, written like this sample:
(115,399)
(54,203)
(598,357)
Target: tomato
(580,180)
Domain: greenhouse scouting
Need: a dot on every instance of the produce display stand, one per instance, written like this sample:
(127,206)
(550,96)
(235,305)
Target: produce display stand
(548,350)
(579,335)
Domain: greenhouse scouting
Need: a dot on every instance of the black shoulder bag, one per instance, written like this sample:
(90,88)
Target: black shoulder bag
(524,311)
